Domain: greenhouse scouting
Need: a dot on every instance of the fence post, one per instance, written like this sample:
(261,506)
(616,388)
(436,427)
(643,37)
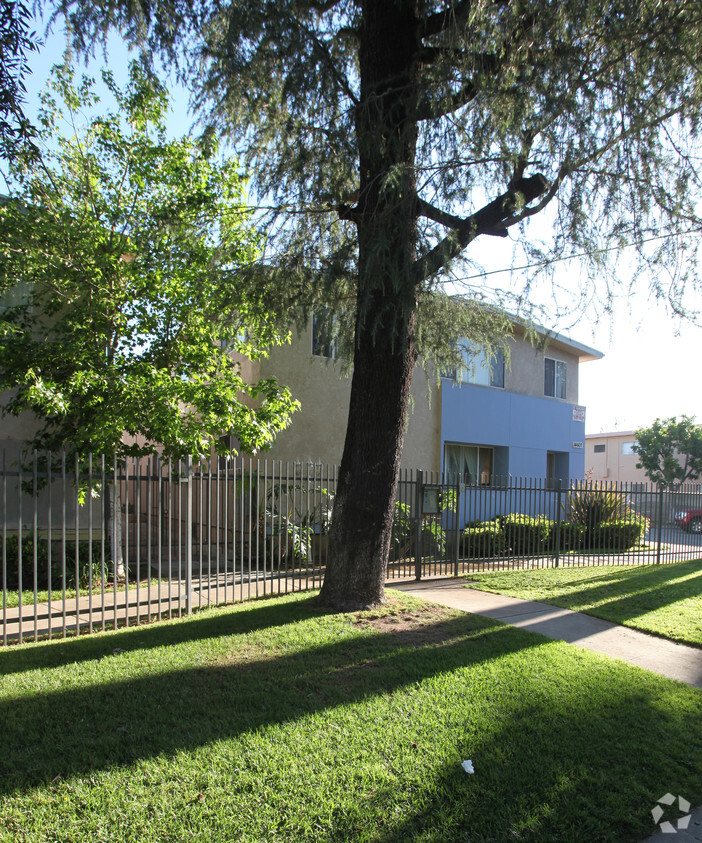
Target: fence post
(660,524)
(558,522)
(456,547)
(418,519)
(188,536)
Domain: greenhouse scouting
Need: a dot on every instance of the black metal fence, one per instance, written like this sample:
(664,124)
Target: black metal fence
(86,546)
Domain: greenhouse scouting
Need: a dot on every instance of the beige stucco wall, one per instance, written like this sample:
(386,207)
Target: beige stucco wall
(15,430)
(612,465)
(318,429)
(525,372)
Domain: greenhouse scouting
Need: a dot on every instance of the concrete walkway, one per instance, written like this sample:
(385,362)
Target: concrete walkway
(675,661)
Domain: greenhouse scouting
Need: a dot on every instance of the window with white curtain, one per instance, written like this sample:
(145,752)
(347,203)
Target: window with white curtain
(472,464)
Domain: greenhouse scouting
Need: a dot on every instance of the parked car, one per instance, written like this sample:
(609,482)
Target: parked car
(689,520)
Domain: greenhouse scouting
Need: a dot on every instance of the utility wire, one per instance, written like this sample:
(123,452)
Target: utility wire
(620,247)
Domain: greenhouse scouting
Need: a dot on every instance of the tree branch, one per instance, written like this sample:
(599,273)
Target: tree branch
(319,7)
(321,49)
(440,21)
(484,64)
(487,220)
(424,209)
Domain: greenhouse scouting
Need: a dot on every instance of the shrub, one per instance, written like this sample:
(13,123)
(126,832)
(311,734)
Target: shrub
(57,579)
(526,535)
(591,504)
(404,529)
(619,535)
(572,536)
(484,539)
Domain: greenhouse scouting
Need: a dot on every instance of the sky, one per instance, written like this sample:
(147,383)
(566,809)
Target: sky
(651,360)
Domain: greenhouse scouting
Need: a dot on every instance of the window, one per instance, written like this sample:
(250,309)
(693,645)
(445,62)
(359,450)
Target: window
(472,464)
(555,374)
(481,367)
(17,295)
(323,340)
(599,449)
(628,449)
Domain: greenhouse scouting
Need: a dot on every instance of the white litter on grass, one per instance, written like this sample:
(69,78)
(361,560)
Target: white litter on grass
(468,766)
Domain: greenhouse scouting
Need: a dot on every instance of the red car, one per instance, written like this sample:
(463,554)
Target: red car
(689,520)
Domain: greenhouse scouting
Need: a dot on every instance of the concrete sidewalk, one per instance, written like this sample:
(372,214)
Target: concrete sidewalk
(675,661)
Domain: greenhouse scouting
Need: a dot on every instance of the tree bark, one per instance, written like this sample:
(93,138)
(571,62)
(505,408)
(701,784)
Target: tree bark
(113,527)
(386,217)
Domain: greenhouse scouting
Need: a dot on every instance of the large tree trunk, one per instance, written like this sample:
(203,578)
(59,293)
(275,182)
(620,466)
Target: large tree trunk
(386,216)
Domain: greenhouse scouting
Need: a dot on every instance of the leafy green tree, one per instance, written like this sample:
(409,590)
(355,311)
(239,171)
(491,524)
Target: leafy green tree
(120,259)
(122,251)
(670,450)
(392,137)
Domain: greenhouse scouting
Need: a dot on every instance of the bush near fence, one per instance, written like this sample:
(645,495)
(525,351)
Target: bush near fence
(623,534)
(483,539)
(526,535)
(12,556)
(522,535)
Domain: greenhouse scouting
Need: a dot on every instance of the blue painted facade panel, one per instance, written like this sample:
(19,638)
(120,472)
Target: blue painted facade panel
(529,427)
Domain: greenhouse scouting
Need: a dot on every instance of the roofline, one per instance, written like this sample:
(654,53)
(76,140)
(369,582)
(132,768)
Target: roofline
(584,352)
(610,434)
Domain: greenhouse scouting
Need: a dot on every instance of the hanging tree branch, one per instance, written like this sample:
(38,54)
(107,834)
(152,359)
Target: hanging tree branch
(485,221)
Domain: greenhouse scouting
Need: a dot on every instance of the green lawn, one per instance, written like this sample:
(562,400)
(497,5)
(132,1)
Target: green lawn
(274,721)
(662,599)
(12,597)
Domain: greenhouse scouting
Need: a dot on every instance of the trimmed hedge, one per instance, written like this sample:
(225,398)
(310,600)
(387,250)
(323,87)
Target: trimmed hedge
(618,535)
(484,539)
(527,535)
(572,536)
(523,535)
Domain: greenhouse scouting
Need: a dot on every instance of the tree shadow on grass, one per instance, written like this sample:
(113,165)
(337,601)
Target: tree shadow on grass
(233,620)
(562,732)
(622,595)
(591,774)
(80,729)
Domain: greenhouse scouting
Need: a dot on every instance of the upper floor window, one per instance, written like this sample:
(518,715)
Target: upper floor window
(628,449)
(600,449)
(555,378)
(481,367)
(323,340)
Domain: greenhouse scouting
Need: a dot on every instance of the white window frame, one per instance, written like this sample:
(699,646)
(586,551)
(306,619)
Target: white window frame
(481,368)
(559,387)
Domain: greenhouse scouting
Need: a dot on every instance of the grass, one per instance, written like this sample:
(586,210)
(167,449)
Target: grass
(275,721)
(12,597)
(665,600)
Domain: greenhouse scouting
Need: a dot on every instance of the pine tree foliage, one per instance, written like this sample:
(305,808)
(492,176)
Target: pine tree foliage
(592,106)
(391,136)
(16,41)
